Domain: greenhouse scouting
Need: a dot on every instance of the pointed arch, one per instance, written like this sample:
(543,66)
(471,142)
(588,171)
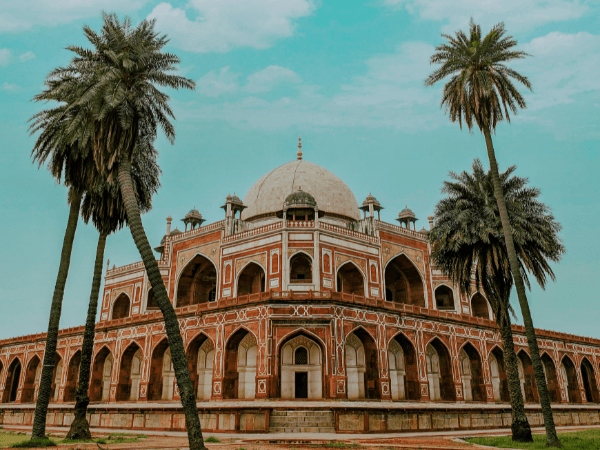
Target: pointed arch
(569,375)
(471,372)
(12,380)
(527,377)
(200,356)
(250,279)
(590,384)
(444,297)
(480,307)
(347,279)
(130,372)
(101,375)
(121,307)
(197,282)
(300,360)
(403,368)
(32,378)
(498,374)
(404,281)
(362,365)
(72,377)
(439,371)
(301,267)
(551,377)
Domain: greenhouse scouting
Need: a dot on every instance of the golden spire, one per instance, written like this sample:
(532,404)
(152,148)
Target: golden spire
(299,148)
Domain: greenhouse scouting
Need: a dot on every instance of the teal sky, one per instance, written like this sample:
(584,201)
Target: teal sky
(348,77)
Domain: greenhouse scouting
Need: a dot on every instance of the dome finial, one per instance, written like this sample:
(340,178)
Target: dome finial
(299,147)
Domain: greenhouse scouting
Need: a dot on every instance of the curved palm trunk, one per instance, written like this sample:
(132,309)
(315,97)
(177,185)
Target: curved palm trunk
(80,428)
(41,406)
(551,436)
(521,431)
(179,359)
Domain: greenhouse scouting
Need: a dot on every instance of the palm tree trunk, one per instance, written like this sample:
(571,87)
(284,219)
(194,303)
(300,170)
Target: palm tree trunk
(41,406)
(551,436)
(521,431)
(80,428)
(179,359)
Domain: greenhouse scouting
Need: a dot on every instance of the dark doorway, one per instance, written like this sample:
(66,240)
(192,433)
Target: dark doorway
(301,384)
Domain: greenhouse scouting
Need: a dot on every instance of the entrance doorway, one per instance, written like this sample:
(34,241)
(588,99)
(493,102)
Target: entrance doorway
(301,385)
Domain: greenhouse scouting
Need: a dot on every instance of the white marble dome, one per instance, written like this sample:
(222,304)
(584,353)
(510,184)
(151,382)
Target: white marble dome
(268,194)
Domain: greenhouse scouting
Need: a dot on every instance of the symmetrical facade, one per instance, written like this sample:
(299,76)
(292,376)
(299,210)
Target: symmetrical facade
(300,293)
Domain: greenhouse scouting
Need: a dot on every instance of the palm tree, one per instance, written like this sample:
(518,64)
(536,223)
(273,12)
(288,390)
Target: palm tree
(118,104)
(467,239)
(103,205)
(480,91)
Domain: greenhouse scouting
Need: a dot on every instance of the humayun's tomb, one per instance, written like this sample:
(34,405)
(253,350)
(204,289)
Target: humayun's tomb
(300,311)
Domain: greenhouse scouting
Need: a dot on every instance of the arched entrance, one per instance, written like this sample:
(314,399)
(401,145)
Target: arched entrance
(72,377)
(251,280)
(499,377)
(350,279)
(101,376)
(472,374)
(439,372)
(402,363)
(569,377)
(12,381)
(479,306)
(589,382)
(130,373)
(200,356)
(527,377)
(301,368)
(197,283)
(151,303)
(162,375)
(121,307)
(444,298)
(240,366)
(362,368)
(403,282)
(32,380)
(551,378)
(300,268)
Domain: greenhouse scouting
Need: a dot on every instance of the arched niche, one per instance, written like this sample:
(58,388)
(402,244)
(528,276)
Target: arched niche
(362,368)
(300,268)
(498,375)
(240,365)
(12,381)
(201,355)
(121,307)
(444,298)
(403,282)
(567,370)
(350,279)
(72,377)
(439,372)
(472,374)
(551,378)
(130,374)
(480,307)
(101,376)
(404,373)
(151,303)
(162,375)
(32,380)
(301,368)
(527,377)
(589,382)
(56,377)
(251,280)
(197,282)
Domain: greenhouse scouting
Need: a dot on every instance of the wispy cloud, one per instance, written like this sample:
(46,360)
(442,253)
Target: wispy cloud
(519,14)
(5,56)
(216,83)
(10,87)
(269,78)
(27,56)
(220,26)
(23,14)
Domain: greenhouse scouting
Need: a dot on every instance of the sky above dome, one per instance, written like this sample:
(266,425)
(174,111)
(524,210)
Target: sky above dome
(348,77)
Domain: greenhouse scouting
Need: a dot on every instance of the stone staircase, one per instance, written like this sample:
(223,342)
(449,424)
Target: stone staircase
(293,421)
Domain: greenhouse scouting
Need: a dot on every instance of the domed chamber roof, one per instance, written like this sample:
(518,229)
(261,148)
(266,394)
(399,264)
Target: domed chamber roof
(272,192)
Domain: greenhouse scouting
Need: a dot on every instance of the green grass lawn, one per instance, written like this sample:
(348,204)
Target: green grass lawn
(8,438)
(577,440)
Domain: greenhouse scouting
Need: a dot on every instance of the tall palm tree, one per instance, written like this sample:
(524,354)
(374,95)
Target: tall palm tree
(103,205)
(481,91)
(118,105)
(467,239)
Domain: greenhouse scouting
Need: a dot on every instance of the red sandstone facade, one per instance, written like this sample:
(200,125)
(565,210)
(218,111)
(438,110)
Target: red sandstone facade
(298,298)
